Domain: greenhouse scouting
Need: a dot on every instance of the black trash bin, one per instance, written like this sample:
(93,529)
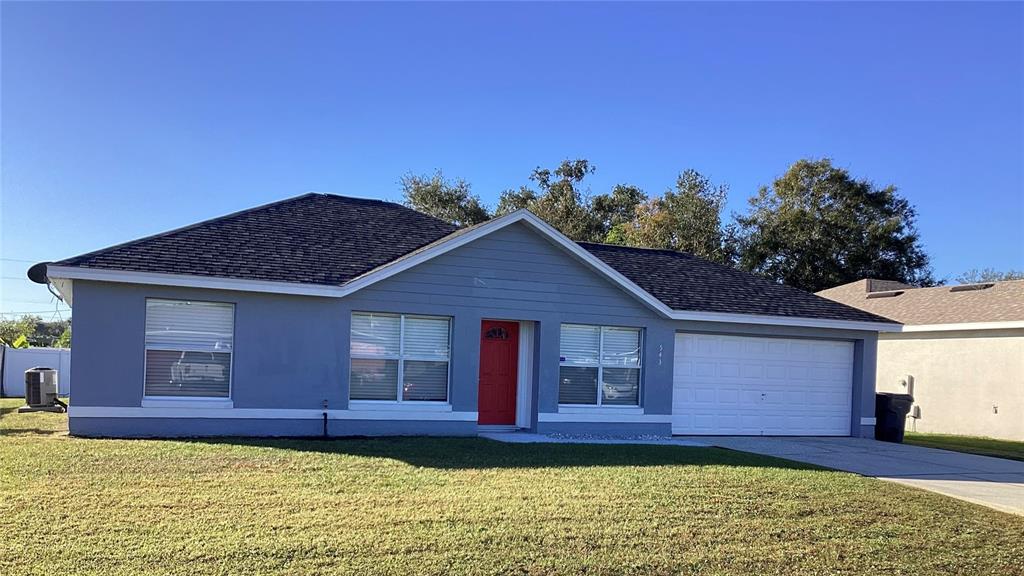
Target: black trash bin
(891,415)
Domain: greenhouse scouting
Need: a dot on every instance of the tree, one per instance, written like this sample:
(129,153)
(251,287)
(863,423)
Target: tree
(11,330)
(687,219)
(64,340)
(975,276)
(47,333)
(817,227)
(512,200)
(449,200)
(33,330)
(560,202)
(617,209)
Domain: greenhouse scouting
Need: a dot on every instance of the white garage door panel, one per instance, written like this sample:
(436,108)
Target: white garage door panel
(761,386)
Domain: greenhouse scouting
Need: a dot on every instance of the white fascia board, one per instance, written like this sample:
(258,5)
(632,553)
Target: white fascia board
(1006,325)
(785,321)
(190,281)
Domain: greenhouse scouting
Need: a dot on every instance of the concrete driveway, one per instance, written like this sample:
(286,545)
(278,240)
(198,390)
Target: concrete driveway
(992,482)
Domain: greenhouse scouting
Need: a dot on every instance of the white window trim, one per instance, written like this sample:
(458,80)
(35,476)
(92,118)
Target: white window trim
(186,402)
(600,365)
(189,401)
(392,406)
(401,358)
(595,409)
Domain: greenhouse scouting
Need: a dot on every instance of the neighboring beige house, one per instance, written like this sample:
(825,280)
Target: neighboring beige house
(961,352)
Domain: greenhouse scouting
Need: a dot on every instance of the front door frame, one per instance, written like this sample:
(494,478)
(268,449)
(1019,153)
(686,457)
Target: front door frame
(516,366)
(524,378)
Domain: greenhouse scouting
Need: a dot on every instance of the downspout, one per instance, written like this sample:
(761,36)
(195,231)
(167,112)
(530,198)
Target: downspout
(325,419)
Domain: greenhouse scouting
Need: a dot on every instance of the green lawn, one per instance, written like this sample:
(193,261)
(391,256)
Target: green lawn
(970,444)
(470,506)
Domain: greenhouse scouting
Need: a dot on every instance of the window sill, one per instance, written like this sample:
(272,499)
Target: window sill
(595,409)
(388,405)
(187,403)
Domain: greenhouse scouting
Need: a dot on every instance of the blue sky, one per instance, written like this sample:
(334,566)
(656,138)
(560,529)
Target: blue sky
(126,119)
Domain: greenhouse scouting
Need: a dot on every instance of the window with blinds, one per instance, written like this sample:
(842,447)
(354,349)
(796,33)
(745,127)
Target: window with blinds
(188,348)
(399,357)
(599,365)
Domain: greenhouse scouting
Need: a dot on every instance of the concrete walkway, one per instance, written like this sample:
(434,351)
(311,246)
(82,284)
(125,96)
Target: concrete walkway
(993,482)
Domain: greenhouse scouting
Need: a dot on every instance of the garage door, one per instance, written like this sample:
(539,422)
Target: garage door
(761,386)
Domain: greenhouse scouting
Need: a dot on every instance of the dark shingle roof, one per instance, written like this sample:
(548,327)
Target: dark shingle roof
(330,240)
(313,238)
(686,282)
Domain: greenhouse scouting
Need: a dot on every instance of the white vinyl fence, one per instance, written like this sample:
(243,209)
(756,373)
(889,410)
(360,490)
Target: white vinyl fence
(17,360)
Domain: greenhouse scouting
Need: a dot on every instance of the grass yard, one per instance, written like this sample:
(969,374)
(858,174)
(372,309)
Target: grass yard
(970,444)
(464,506)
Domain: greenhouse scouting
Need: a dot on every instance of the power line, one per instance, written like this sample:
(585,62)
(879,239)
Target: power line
(18,260)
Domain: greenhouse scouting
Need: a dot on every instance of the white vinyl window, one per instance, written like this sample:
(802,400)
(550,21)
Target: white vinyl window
(188,348)
(399,357)
(599,365)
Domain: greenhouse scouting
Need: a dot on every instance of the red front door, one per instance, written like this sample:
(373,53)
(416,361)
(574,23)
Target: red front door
(499,360)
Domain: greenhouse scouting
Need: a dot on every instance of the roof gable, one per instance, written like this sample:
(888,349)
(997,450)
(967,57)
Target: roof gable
(467,235)
(514,267)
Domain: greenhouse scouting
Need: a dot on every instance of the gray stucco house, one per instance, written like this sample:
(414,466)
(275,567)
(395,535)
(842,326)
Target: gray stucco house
(372,319)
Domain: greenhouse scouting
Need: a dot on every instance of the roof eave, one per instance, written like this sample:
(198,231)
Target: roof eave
(447,244)
(797,321)
(968,326)
(192,281)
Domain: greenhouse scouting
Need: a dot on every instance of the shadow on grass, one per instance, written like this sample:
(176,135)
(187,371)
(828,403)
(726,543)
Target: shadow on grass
(29,432)
(480,453)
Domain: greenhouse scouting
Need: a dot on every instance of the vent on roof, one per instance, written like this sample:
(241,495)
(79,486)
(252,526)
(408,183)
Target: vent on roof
(889,294)
(970,287)
(875,285)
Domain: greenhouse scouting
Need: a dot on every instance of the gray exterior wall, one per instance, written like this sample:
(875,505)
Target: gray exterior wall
(292,352)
